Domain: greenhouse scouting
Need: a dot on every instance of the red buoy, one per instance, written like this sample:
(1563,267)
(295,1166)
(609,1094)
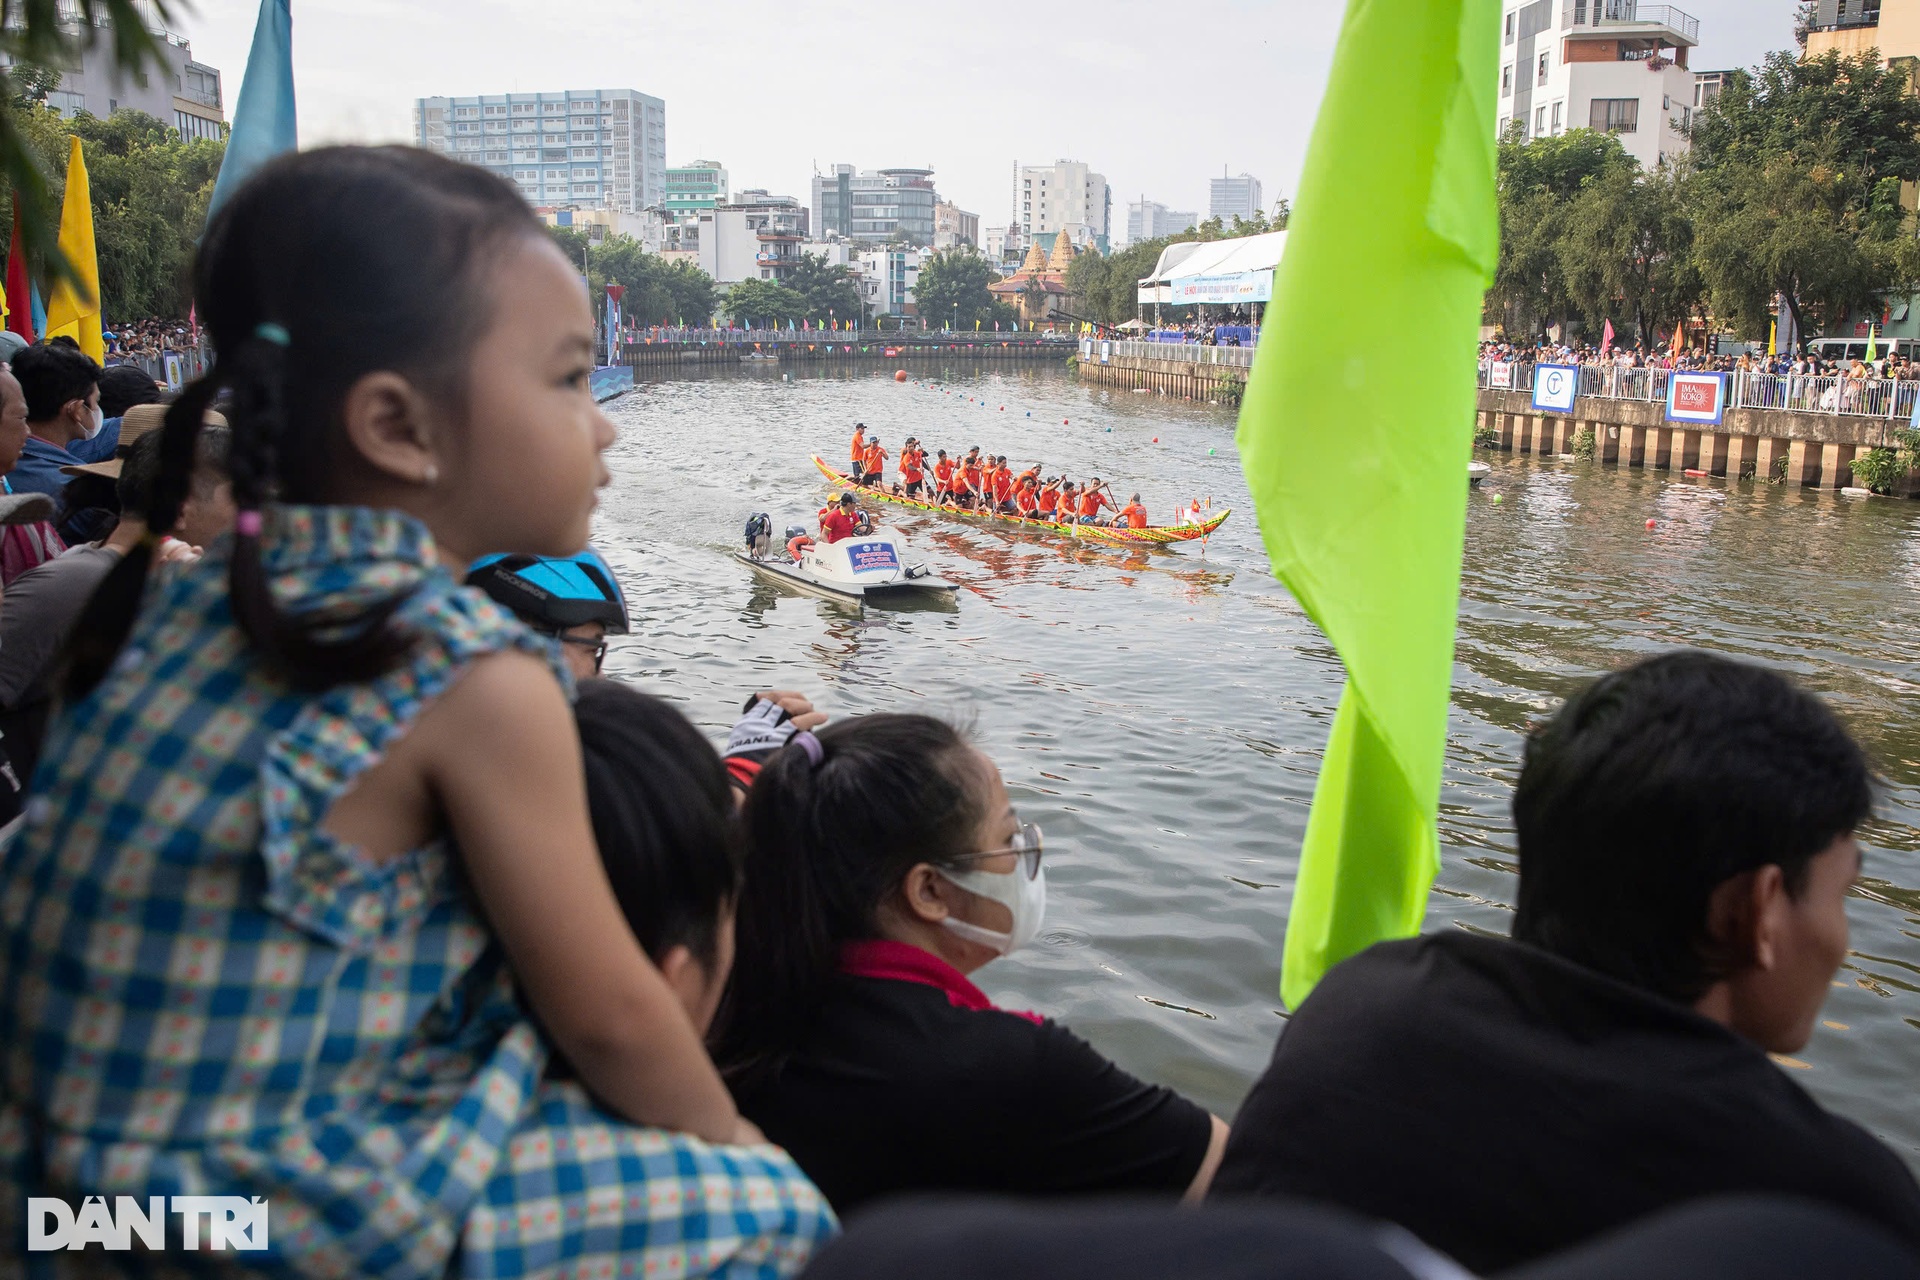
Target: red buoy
(1653,524)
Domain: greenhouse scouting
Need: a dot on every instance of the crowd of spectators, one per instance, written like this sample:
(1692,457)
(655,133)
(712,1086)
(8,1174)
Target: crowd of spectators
(148,339)
(1892,366)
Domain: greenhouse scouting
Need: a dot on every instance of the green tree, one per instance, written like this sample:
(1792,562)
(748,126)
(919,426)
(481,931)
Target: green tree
(1108,286)
(36,40)
(1797,192)
(764,304)
(952,289)
(1626,252)
(1538,181)
(829,291)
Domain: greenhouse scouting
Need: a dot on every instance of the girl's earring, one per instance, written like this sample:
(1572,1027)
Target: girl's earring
(431,475)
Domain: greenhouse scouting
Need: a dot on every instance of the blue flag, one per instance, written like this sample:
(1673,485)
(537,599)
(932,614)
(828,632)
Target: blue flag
(263,121)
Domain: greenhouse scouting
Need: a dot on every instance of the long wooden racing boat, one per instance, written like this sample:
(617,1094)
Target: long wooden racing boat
(1152,535)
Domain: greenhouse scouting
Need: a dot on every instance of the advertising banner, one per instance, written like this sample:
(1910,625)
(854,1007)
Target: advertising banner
(872,557)
(1500,375)
(1229,290)
(1697,398)
(1554,386)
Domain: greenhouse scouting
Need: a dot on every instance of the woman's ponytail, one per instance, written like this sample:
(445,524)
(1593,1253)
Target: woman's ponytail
(105,623)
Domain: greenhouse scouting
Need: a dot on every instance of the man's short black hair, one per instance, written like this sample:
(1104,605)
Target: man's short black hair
(122,386)
(1658,783)
(53,375)
(663,816)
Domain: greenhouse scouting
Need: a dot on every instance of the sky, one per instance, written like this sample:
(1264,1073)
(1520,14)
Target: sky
(1157,97)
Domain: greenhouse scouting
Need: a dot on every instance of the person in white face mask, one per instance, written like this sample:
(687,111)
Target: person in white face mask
(886,865)
(64,426)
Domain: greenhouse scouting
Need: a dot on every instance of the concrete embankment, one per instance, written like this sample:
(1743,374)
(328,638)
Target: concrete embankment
(1812,450)
(1216,374)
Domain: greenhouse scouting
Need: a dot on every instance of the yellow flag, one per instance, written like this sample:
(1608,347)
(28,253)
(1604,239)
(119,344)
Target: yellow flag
(74,311)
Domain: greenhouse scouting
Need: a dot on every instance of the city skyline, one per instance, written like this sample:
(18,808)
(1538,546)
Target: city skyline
(974,113)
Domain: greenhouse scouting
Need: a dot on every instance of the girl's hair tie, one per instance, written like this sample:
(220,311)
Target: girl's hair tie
(270,332)
(809,744)
(247,524)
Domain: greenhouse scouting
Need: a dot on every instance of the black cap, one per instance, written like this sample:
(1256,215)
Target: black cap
(846,499)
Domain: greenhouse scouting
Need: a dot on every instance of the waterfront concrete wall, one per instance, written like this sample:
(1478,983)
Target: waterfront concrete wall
(658,356)
(1217,383)
(1806,449)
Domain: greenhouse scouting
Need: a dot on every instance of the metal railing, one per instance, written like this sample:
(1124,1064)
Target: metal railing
(1185,353)
(1607,13)
(687,336)
(1796,393)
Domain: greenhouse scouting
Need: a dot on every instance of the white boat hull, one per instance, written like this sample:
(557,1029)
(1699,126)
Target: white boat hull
(862,567)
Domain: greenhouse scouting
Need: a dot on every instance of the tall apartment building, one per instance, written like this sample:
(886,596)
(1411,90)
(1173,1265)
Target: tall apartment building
(182,94)
(699,184)
(1063,196)
(874,205)
(593,147)
(1854,26)
(1230,198)
(755,237)
(1618,66)
(1149,220)
(953,226)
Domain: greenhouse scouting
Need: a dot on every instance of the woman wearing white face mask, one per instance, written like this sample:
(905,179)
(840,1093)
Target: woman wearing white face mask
(886,864)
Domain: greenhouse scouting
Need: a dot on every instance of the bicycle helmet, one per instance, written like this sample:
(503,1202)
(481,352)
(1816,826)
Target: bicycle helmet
(552,593)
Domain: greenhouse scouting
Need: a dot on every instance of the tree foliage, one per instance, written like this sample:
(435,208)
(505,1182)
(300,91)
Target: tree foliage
(952,289)
(829,292)
(764,304)
(657,291)
(149,190)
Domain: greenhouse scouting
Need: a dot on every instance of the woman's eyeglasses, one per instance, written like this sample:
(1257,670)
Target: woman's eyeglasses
(1026,845)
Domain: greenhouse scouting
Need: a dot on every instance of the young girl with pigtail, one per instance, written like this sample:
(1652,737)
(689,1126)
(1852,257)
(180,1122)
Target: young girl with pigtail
(310,888)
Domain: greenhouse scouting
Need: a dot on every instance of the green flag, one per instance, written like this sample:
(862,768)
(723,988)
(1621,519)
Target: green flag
(1356,448)
(1873,346)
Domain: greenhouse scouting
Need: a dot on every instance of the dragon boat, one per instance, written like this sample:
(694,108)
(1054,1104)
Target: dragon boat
(1152,535)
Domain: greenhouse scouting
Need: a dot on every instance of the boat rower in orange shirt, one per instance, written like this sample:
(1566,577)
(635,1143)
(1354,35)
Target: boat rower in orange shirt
(859,452)
(874,464)
(1092,500)
(1133,514)
(943,477)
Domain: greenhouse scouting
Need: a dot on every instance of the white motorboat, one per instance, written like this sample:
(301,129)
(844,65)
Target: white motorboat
(1478,471)
(865,566)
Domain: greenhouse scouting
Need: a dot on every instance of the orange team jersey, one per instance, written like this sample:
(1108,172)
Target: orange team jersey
(972,476)
(1136,516)
(943,472)
(1002,485)
(1090,503)
(876,459)
(859,447)
(910,460)
(1049,500)
(1024,496)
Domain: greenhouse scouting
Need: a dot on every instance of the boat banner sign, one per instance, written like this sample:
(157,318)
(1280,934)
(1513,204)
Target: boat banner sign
(1697,397)
(870,557)
(1554,386)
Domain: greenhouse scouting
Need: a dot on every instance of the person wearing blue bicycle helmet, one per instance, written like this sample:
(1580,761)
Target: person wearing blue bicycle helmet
(575,599)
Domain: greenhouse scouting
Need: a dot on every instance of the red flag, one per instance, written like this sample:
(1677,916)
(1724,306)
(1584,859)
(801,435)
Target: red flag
(19,286)
(1606,339)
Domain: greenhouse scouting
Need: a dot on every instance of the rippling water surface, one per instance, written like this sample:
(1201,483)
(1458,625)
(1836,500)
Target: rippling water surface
(1161,713)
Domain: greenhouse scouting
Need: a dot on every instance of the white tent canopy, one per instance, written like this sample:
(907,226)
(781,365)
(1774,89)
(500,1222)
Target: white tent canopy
(1217,272)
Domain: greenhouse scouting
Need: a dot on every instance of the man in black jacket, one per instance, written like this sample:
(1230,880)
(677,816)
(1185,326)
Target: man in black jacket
(1686,843)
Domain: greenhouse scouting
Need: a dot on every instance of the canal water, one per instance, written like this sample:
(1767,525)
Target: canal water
(1160,714)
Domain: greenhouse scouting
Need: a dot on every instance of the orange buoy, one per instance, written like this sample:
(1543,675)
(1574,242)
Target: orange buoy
(899,375)
(1653,524)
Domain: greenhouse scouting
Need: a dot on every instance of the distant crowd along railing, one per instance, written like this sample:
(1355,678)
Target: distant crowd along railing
(1224,335)
(1801,393)
(736,337)
(1092,349)
(169,368)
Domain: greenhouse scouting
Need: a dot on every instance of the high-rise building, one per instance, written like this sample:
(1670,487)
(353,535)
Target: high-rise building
(1149,220)
(1851,27)
(875,205)
(699,184)
(953,226)
(591,147)
(181,93)
(1617,66)
(1063,196)
(1230,198)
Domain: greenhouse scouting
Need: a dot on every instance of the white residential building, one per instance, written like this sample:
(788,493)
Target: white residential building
(757,237)
(596,148)
(179,92)
(1617,66)
(887,274)
(1063,196)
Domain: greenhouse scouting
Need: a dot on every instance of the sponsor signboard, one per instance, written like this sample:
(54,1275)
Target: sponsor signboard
(873,557)
(1554,387)
(1697,398)
(1500,375)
